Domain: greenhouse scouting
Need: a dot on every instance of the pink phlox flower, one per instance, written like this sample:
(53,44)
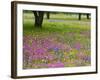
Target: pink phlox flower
(56,65)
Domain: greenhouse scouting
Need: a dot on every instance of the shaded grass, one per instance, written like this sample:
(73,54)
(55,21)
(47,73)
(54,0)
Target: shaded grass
(60,16)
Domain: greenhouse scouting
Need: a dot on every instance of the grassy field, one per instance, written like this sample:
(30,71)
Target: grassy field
(63,41)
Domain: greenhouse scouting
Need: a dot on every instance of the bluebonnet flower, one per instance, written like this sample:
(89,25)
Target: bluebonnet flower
(87,58)
(56,49)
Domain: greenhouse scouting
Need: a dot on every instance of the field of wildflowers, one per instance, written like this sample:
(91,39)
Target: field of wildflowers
(63,43)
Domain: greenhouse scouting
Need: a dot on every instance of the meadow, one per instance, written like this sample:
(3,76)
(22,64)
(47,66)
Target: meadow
(63,41)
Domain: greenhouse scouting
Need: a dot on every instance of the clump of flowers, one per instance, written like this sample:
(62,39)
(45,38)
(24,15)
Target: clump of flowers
(49,52)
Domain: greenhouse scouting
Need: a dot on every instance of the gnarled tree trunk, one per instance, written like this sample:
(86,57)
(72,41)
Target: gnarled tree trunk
(79,16)
(87,16)
(48,15)
(38,18)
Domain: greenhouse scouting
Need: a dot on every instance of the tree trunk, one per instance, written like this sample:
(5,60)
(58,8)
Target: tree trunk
(48,15)
(87,16)
(38,18)
(79,16)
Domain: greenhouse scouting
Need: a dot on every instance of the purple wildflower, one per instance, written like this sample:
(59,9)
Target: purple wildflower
(27,49)
(50,57)
(78,46)
(56,65)
(40,51)
(80,55)
(56,49)
(87,58)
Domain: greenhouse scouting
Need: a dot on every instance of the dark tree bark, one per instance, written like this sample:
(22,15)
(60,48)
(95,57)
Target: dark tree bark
(48,15)
(79,16)
(38,18)
(87,16)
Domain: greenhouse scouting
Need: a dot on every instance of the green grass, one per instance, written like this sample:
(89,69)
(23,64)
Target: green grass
(70,23)
(63,28)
